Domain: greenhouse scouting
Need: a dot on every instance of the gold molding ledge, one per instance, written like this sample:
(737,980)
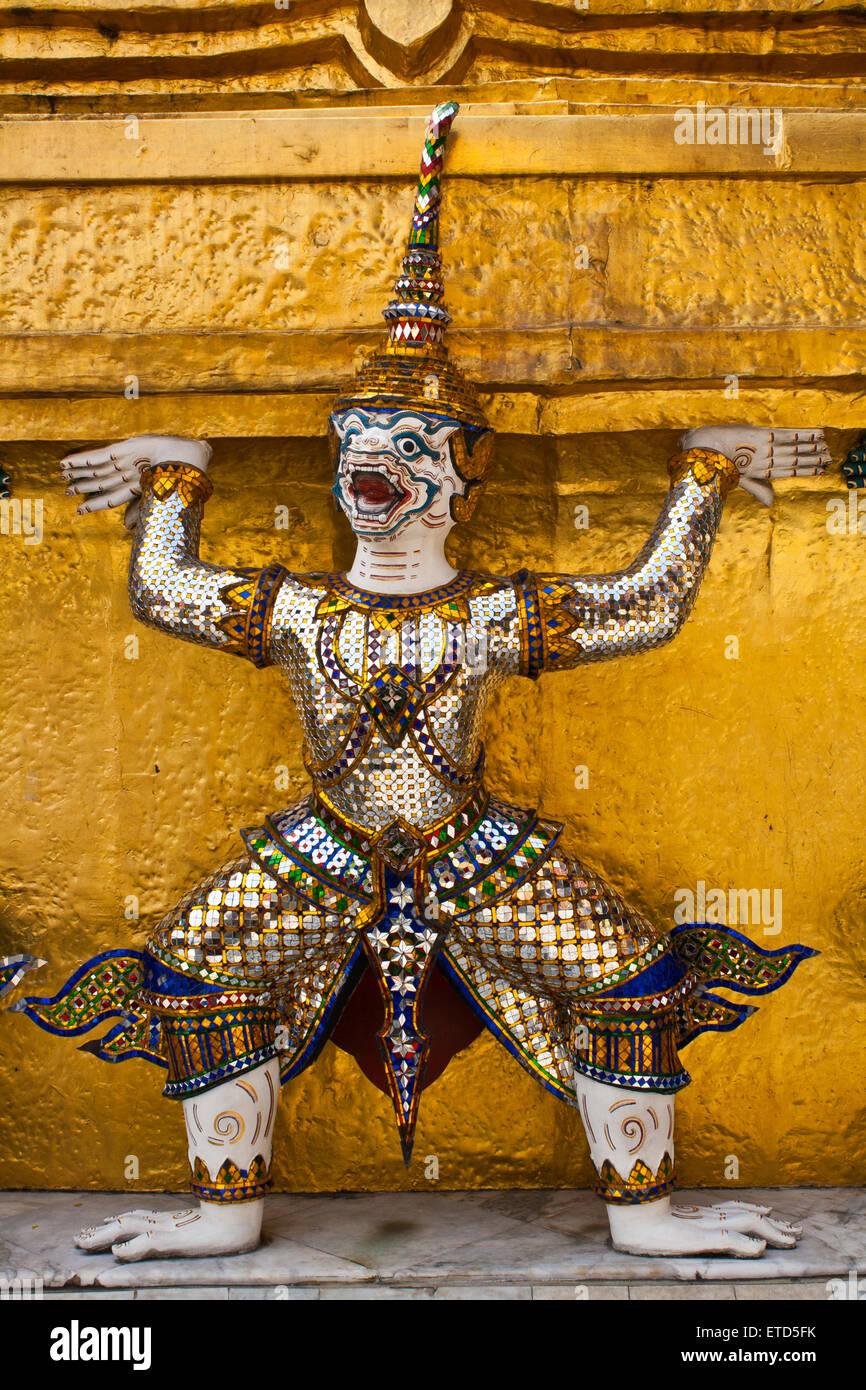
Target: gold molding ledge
(567,358)
(371,143)
(300,415)
(527,95)
(555,10)
(388,42)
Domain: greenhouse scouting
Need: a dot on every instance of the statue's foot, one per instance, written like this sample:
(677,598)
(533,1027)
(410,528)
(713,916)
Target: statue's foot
(731,1228)
(209,1229)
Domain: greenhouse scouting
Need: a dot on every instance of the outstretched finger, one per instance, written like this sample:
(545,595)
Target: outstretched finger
(796,468)
(92,458)
(812,444)
(788,463)
(118,497)
(787,456)
(773,1233)
(794,450)
(812,460)
(787,1228)
(107,483)
(758,1209)
(128,1251)
(751,1223)
(742,1246)
(129,1223)
(97,1237)
(102,470)
(782,439)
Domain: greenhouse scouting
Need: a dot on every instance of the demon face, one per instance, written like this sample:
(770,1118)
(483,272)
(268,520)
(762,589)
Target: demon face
(394,467)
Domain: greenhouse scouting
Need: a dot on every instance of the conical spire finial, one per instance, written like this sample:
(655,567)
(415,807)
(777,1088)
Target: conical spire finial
(416,316)
(413,369)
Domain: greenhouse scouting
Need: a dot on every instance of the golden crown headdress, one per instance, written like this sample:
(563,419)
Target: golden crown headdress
(414,369)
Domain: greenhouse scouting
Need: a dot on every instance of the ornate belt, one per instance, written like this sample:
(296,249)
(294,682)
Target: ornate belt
(400,843)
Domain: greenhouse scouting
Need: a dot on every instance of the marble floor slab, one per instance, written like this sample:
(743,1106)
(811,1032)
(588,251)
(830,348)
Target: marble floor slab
(434,1244)
(758,1291)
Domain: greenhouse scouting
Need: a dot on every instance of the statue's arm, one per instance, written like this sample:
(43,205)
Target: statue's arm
(172,589)
(165,483)
(568,620)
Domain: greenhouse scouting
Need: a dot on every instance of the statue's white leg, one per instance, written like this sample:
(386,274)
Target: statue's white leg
(631,1143)
(230,1130)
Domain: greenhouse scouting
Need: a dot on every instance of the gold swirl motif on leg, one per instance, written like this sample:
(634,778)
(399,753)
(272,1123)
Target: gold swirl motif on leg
(633,1128)
(229,1126)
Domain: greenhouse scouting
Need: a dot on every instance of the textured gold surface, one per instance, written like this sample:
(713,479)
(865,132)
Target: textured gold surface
(235,257)
(765,790)
(237,288)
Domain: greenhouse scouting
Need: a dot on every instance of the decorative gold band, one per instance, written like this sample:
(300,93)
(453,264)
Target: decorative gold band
(232,1184)
(162,479)
(641,1185)
(704,465)
(436,838)
(426,381)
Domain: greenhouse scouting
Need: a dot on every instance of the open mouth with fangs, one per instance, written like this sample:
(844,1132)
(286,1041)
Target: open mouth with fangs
(374,493)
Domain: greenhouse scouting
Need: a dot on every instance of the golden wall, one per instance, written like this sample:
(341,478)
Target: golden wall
(201,216)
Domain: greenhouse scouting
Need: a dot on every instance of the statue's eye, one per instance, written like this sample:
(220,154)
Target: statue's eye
(407,446)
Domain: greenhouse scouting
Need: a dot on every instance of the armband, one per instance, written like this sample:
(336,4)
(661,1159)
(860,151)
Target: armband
(162,479)
(704,465)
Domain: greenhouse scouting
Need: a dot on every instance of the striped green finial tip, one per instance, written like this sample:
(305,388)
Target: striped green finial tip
(425,216)
(445,111)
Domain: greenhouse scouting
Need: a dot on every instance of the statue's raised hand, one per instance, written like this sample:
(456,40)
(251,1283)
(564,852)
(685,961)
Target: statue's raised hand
(111,476)
(764,454)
